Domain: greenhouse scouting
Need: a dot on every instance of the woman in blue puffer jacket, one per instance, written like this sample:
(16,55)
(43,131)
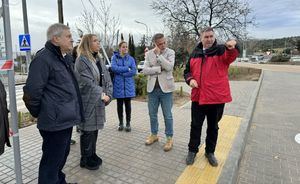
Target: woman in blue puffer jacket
(124,69)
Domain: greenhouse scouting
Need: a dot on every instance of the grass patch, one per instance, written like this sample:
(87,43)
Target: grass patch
(25,119)
(236,73)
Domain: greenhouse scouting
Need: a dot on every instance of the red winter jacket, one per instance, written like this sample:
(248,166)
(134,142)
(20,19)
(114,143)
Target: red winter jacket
(210,70)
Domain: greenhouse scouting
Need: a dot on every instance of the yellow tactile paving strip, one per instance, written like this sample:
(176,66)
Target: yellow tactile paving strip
(201,172)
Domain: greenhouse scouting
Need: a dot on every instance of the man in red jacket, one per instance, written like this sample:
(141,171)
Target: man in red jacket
(207,74)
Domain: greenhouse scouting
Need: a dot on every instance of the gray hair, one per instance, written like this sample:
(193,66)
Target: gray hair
(56,30)
(157,36)
(206,29)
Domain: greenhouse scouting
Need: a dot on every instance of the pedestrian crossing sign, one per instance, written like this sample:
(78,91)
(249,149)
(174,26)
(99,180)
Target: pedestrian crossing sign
(24,42)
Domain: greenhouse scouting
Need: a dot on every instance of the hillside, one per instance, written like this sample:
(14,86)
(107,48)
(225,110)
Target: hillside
(255,45)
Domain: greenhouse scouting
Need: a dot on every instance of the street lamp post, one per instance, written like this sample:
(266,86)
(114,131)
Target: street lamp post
(60,11)
(145,26)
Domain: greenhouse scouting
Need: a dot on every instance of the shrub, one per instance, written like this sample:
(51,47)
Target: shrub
(25,119)
(178,74)
(141,85)
(233,71)
(280,58)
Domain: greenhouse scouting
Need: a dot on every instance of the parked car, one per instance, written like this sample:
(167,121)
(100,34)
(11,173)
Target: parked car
(295,59)
(140,66)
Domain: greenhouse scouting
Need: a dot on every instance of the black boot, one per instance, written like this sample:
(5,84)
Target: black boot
(89,163)
(121,127)
(128,128)
(97,159)
(87,147)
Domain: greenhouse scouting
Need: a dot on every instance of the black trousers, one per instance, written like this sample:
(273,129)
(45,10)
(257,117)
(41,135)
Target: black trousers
(213,113)
(56,148)
(120,102)
(88,140)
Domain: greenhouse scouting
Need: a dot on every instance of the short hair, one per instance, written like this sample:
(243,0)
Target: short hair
(157,36)
(56,30)
(121,43)
(206,29)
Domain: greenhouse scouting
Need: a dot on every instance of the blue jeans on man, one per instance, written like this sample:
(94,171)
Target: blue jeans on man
(155,98)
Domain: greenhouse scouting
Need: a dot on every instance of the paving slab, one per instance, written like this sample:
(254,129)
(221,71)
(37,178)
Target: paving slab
(271,154)
(126,159)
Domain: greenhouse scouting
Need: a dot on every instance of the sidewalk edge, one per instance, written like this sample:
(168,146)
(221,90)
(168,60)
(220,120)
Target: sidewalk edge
(230,169)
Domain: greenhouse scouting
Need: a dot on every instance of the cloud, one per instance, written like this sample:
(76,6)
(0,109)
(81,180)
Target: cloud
(41,14)
(275,18)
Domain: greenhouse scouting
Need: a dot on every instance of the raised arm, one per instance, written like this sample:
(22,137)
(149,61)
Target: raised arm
(150,69)
(167,63)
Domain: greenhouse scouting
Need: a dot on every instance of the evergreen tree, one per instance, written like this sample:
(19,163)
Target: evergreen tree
(129,42)
(131,47)
(140,55)
(298,45)
(122,37)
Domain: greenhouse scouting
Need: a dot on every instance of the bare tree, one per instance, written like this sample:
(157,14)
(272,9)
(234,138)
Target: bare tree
(228,17)
(99,21)
(88,20)
(109,24)
(182,42)
(180,38)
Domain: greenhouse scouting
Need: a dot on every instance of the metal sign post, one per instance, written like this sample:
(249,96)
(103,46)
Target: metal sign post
(25,45)
(105,55)
(26,31)
(12,92)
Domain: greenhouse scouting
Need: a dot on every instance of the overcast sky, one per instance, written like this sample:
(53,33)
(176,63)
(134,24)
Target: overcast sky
(275,18)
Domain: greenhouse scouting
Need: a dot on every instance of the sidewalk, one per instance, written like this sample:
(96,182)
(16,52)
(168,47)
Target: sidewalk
(19,78)
(272,154)
(126,159)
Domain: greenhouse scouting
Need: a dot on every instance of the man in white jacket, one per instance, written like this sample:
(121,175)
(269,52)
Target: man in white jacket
(160,86)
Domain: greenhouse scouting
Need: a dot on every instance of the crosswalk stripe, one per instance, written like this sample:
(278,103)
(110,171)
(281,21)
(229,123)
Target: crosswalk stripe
(19,99)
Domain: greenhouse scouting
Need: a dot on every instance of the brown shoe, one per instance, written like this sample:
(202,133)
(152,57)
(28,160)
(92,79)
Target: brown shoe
(169,144)
(151,139)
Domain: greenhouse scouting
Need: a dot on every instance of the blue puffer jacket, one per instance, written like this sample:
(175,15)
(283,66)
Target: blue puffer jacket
(124,69)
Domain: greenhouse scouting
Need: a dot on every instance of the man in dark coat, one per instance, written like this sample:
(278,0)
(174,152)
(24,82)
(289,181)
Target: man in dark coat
(52,95)
(4,126)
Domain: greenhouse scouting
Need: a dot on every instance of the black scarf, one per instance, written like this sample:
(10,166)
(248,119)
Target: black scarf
(212,51)
(95,54)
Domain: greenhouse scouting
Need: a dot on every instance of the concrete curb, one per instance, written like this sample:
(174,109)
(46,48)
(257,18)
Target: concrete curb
(230,170)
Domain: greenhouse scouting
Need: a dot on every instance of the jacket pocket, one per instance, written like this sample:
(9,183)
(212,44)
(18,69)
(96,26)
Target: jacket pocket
(61,76)
(195,94)
(66,111)
(47,111)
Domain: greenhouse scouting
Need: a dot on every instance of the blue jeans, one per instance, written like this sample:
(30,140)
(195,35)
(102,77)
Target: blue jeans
(156,97)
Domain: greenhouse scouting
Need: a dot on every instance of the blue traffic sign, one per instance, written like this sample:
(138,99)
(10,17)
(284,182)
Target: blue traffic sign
(24,42)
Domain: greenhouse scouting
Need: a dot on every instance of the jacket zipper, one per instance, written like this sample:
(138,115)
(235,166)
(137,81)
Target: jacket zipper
(203,60)
(124,81)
